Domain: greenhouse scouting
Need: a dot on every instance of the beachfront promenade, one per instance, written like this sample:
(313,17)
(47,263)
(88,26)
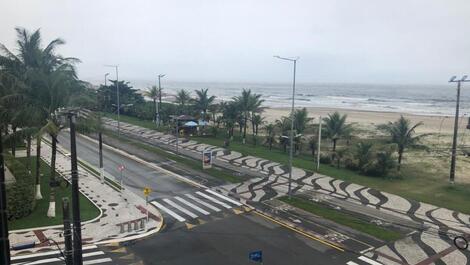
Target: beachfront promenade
(435,227)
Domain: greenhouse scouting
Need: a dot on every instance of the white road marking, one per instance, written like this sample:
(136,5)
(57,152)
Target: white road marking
(168,211)
(224,197)
(46,253)
(199,209)
(97,261)
(351,263)
(212,199)
(187,212)
(202,202)
(370,261)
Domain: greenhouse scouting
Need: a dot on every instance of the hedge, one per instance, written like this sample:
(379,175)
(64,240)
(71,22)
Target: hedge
(20,194)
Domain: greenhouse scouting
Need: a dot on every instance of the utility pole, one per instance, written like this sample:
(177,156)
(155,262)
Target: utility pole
(294,60)
(177,134)
(456,127)
(67,232)
(4,241)
(319,143)
(77,226)
(100,147)
(105,79)
(159,99)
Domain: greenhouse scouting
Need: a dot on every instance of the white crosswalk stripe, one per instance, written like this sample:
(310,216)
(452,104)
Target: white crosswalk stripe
(199,209)
(168,211)
(224,197)
(187,212)
(202,202)
(213,199)
(351,263)
(90,256)
(370,261)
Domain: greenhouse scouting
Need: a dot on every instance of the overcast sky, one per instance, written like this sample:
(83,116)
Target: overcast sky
(373,41)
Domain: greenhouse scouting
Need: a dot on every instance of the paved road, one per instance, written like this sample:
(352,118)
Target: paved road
(218,237)
(229,240)
(136,175)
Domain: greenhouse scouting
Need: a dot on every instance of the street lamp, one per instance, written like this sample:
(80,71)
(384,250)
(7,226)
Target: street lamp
(294,60)
(159,99)
(77,225)
(117,93)
(105,78)
(456,126)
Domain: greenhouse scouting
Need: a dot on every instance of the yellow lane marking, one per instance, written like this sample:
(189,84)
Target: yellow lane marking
(301,232)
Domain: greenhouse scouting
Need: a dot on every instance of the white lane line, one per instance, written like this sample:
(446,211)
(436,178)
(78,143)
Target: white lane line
(46,253)
(202,202)
(168,211)
(199,209)
(187,212)
(42,261)
(351,263)
(370,261)
(97,261)
(91,254)
(224,197)
(212,199)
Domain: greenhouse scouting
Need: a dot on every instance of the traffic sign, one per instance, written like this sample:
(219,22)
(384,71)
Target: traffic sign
(256,256)
(147,191)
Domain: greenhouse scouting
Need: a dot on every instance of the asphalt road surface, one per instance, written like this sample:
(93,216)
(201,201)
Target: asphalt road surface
(135,176)
(223,238)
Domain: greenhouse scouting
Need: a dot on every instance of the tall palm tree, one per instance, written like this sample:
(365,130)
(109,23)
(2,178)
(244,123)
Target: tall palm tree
(248,104)
(270,135)
(256,121)
(203,101)
(152,92)
(284,124)
(183,98)
(336,127)
(301,120)
(402,133)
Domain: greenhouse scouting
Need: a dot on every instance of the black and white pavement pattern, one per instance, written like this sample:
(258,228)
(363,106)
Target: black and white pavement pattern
(441,223)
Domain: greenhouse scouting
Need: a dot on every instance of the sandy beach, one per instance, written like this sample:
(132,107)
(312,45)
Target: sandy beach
(369,119)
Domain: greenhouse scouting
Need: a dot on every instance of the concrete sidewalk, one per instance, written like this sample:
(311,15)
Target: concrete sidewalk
(122,215)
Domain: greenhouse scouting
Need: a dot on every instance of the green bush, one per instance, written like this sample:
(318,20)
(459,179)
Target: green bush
(20,195)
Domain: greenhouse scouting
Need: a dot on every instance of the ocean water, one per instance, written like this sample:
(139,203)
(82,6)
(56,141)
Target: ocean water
(414,99)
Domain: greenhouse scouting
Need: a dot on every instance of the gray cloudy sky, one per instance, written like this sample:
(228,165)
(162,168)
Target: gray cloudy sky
(400,41)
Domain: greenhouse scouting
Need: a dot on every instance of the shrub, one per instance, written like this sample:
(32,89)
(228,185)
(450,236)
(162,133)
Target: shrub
(325,159)
(20,195)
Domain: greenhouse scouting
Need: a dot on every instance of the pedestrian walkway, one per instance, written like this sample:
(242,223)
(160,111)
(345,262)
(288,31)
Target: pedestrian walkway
(91,255)
(198,205)
(123,214)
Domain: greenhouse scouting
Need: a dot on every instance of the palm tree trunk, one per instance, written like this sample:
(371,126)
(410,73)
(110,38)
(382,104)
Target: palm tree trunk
(51,210)
(13,142)
(28,153)
(244,129)
(38,167)
(155,107)
(400,156)
(334,144)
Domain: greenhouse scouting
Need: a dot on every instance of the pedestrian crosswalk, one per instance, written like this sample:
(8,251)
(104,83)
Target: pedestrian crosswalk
(91,255)
(363,260)
(190,206)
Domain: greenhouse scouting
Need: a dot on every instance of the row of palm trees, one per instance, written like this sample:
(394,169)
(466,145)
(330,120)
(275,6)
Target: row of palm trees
(34,82)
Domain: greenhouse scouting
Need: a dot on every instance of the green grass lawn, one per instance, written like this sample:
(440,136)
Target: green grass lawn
(416,182)
(343,219)
(39,217)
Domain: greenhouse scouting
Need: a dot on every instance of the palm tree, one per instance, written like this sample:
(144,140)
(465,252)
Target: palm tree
(152,92)
(402,134)
(301,120)
(284,124)
(183,98)
(336,127)
(313,144)
(256,121)
(270,135)
(363,154)
(248,104)
(385,160)
(203,101)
